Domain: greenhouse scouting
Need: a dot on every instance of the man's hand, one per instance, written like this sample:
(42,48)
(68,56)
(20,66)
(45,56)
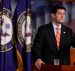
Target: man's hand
(38,63)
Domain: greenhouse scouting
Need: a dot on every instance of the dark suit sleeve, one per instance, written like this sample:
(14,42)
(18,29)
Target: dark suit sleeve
(73,40)
(37,45)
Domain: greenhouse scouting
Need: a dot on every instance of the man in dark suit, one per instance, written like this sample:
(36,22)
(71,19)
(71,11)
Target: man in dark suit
(50,47)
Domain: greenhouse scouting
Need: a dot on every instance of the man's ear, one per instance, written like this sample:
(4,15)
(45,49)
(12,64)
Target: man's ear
(53,16)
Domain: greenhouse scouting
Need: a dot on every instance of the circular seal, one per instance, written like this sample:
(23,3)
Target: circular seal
(24,30)
(21,28)
(6,32)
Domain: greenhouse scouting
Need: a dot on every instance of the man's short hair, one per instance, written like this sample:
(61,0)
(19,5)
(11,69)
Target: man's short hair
(54,9)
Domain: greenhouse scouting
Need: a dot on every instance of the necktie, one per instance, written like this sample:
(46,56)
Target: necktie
(57,36)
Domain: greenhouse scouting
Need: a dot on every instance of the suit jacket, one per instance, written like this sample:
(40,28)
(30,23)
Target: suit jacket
(45,47)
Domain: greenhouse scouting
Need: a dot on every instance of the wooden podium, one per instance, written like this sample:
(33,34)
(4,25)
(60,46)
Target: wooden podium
(61,67)
(56,68)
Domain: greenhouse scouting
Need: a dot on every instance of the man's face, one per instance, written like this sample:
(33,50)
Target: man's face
(59,16)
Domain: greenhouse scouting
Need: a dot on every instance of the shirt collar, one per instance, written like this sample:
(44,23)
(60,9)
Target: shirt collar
(54,26)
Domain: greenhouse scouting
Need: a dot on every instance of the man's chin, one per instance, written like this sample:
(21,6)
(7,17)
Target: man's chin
(61,22)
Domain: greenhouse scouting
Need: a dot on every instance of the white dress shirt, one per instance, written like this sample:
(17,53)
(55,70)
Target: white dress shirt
(54,27)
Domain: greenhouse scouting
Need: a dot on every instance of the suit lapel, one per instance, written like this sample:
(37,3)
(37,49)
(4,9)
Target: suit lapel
(62,37)
(52,35)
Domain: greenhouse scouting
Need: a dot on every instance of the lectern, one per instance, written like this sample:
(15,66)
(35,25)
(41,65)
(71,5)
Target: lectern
(46,67)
